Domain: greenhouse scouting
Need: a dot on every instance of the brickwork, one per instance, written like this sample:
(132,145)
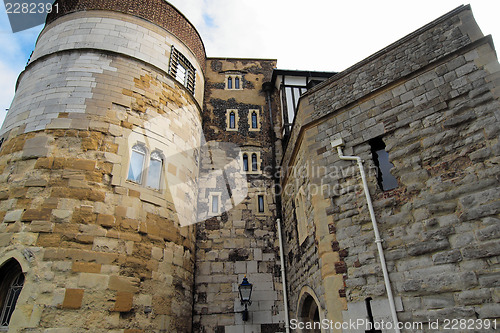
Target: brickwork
(158,12)
(440,123)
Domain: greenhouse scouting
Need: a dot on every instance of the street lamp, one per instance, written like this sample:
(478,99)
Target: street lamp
(245,289)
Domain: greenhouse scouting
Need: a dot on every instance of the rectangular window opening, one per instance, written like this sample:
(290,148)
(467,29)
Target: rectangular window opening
(380,156)
(215,204)
(182,69)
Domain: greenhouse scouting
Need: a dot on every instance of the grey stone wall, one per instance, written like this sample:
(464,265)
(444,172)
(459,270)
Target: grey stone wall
(433,98)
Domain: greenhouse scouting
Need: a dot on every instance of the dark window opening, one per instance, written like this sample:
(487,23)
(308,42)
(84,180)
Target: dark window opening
(254,162)
(254,119)
(229,83)
(261,203)
(12,281)
(385,179)
(245,162)
(370,317)
(232,120)
(236,83)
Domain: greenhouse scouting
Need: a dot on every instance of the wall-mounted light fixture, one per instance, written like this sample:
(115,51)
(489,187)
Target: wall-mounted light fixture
(245,289)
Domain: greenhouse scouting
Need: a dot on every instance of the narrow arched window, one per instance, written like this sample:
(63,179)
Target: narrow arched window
(254,162)
(11,284)
(236,83)
(232,120)
(245,162)
(229,83)
(260,203)
(136,166)
(254,119)
(154,171)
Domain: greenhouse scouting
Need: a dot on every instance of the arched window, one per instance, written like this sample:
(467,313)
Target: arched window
(236,83)
(136,166)
(260,203)
(232,120)
(245,162)
(12,281)
(254,119)
(254,162)
(229,83)
(154,171)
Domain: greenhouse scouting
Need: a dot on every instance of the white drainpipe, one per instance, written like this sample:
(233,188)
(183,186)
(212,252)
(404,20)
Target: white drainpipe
(339,143)
(283,278)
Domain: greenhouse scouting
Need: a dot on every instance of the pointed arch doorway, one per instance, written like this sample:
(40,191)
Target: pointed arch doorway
(309,311)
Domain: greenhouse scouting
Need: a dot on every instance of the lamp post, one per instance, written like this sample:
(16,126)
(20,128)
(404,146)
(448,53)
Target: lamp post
(245,289)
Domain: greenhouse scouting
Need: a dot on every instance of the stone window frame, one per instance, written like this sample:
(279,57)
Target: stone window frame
(301,216)
(233,78)
(159,157)
(228,120)
(178,60)
(249,154)
(266,207)
(139,148)
(148,155)
(211,195)
(250,115)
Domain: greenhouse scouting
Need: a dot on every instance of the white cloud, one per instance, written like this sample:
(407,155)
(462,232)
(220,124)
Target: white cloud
(318,34)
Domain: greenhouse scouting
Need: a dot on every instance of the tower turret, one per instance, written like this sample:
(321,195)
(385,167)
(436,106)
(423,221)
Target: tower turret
(106,117)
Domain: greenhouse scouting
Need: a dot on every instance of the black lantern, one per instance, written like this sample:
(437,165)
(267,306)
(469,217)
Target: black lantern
(245,289)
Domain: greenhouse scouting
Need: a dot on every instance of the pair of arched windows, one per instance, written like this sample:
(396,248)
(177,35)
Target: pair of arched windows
(138,165)
(236,82)
(254,120)
(255,164)
(11,284)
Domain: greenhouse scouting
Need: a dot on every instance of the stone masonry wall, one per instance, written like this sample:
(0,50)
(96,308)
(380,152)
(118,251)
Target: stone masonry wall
(100,253)
(440,226)
(240,241)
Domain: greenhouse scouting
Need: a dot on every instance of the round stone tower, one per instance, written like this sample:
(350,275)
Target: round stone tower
(98,168)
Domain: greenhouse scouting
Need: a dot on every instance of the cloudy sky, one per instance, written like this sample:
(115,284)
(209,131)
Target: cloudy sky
(328,35)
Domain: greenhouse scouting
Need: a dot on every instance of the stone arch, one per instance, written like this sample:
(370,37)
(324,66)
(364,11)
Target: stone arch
(12,279)
(309,310)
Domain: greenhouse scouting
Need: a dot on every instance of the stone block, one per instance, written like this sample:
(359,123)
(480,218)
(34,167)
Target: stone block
(447,257)
(13,215)
(37,214)
(471,297)
(40,226)
(484,250)
(93,281)
(123,302)
(86,267)
(106,220)
(73,299)
(124,284)
(80,164)
(489,310)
